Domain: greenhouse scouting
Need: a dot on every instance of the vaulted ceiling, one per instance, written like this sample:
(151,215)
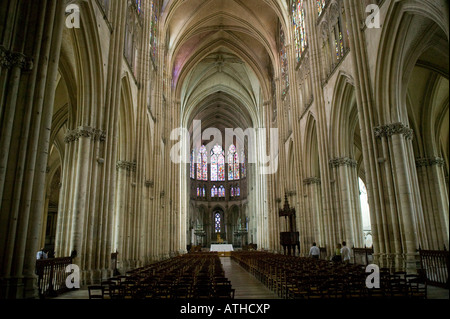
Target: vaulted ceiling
(222,55)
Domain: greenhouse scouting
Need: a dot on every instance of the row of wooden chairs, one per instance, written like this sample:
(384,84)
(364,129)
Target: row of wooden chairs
(308,278)
(191,276)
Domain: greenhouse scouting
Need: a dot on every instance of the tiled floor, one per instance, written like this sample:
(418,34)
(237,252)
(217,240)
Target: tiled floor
(248,287)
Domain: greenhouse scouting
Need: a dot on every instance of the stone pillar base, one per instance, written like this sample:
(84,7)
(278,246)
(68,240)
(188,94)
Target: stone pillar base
(411,263)
(19,288)
(94,276)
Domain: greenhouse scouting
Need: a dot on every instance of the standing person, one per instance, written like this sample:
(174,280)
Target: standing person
(41,254)
(345,253)
(314,252)
(51,254)
(337,254)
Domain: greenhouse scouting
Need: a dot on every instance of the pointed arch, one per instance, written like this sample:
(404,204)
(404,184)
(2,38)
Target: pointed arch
(312,168)
(344,117)
(400,48)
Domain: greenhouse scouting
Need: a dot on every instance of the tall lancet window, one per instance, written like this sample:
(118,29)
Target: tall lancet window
(233,164)
(133,31)
(154,30)
(217,164)
(298,15)
(138,6)
(284,63)
(320,6)
(214,191)
(192,164)
(221,191)
(202,164)
(243,166)
(217,222)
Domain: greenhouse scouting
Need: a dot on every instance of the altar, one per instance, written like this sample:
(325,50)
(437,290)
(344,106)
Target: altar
(224,250)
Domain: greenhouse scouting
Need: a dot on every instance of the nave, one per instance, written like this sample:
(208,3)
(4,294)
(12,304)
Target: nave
(255,276)
(244,284)
(141,128)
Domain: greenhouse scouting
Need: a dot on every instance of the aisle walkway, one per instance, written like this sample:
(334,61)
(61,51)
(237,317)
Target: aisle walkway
(246,285)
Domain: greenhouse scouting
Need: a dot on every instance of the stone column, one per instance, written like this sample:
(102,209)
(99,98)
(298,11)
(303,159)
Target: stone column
(102,238)
(349,209)
(315,219)
(374,169)
(397,136)
(435,202)
(28,74)
(62,247)
(322,126)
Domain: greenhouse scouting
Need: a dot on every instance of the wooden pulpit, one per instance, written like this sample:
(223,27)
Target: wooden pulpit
(291,239)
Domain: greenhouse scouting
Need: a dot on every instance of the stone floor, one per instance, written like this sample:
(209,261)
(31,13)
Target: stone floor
(245,284)
(248,287)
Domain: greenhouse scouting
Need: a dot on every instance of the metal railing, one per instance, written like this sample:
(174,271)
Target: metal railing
(362,256)
(435,264)
(52,276)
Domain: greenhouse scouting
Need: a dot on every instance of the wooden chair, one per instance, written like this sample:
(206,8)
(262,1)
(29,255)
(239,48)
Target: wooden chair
(223,292)
(106,284)
(182,291)
(96,292)
(116,292)
(417,286)
(202,292)
(129,288)
(397,287)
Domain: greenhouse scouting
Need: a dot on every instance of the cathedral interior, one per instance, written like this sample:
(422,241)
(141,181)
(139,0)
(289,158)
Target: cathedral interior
(147,129)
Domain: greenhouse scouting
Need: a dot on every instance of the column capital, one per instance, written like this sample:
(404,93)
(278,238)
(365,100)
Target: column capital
(311,180)
(389,130)
(85,131)
(125,165)
(343,161)
(430,161)
(9,60)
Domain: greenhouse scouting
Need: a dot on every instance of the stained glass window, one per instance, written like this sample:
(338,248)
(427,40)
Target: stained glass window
(192,164)
(320,6)
(203,192)
(337,50)
(202,164)
(214,191)
(235,191)
(138,5)
(233,164)
(199,165)
(214,167)
(339,43)
(230,164)
(154,29)
(298,15)
(217,164)
(221,167)
(284,63)
(217,222)
(243,167)
(221,191)
(236,167)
